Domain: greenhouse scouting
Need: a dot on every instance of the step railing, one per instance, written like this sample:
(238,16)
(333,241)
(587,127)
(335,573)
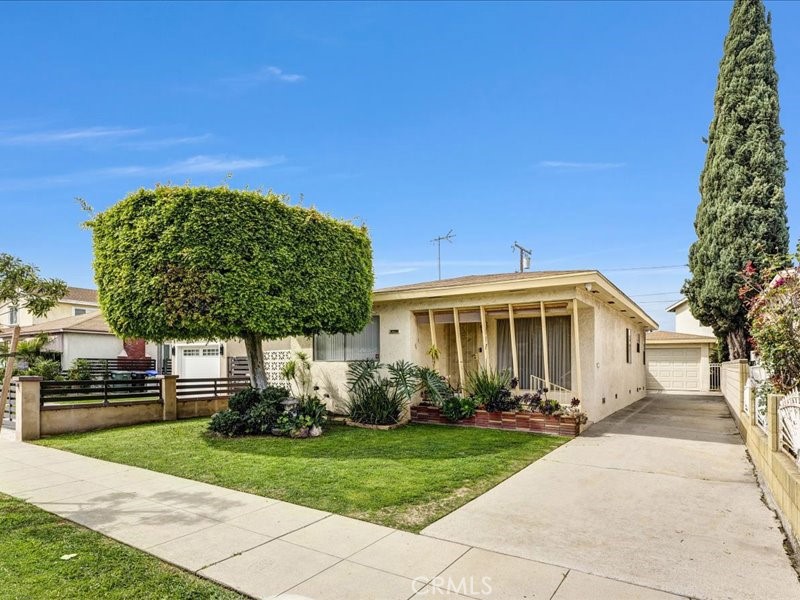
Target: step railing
(554,392)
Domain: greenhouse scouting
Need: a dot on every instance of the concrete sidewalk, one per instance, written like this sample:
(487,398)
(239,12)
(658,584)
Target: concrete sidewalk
(266,548)
(660,494)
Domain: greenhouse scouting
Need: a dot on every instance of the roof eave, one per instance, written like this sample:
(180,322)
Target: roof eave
(513,285)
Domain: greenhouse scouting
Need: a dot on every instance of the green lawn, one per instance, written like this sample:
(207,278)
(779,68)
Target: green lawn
(404,478)
(33,541)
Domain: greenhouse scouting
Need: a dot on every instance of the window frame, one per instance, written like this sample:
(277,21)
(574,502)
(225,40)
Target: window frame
(13,315)
(75,309)
(315,353)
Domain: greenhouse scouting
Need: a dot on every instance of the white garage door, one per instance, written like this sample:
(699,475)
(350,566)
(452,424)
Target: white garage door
(673,369)
(197,362)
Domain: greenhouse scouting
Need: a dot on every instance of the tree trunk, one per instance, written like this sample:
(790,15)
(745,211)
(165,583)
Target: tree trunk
(737,344)
(255,360)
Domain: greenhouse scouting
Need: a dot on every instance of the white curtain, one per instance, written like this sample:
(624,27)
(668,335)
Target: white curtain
(360,346)
(530,356)
(366,344)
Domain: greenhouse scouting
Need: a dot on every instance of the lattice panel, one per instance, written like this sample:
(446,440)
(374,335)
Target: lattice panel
(274,361)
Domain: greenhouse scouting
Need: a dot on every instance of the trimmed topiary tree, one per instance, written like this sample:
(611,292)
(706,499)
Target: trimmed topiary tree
(199,263)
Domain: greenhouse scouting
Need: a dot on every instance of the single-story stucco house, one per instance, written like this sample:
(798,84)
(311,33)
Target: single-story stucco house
(573,332)
(680,361)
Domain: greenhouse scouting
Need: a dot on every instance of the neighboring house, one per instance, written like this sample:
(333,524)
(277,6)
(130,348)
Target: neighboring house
(685,321)
(76,329)
(76,302)
(679,361)
(574,332)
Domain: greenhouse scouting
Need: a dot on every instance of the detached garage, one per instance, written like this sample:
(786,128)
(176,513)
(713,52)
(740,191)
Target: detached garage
(678,362)
(199,361)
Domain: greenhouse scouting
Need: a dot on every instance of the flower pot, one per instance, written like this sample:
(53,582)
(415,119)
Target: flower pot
(315,431)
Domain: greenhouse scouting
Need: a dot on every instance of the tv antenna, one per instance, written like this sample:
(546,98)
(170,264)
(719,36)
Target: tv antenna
(524,256)
(438,241)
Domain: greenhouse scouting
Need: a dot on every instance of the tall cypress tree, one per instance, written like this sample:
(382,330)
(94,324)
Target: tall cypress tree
(742,212)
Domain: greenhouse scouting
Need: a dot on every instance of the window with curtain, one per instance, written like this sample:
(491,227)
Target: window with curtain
(530,354)
(342,347)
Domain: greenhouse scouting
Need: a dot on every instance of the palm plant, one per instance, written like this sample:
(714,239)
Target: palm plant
(434,387)
(379,400)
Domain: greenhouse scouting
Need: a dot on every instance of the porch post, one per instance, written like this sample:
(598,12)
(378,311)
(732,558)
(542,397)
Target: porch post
(458,348)
(576,336)
(513,333)
(485,337)
(433,333)
(544,346)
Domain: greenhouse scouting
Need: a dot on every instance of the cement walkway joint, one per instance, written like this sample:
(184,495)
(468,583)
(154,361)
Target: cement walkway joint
(271,549)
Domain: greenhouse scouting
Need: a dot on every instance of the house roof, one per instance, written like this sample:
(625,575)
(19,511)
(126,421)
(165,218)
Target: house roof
(77,294)
(476,280)
(593,281)
(673,307)
(89,323)
(673,337)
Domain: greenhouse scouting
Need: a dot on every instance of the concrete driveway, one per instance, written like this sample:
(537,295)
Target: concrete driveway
(660,494)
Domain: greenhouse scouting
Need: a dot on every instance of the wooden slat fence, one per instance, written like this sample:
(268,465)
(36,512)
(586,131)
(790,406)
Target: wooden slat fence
(102,367)
(238,367)
(209,388)
(105,391)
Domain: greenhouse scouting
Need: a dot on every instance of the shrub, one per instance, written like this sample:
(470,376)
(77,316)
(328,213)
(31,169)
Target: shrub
(377,400)
(378,404)
(456,408)
(315,410)
(250,411)
(228,423)
(45,368)
(491,389)
(261,417)
(243,400)
(775,324)
(80,370)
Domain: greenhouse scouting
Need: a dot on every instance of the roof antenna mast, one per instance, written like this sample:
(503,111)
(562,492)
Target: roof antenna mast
(438,241)
(524,257)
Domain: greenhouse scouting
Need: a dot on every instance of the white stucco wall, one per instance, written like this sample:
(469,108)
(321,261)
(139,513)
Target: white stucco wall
(686,323)
(614,382)
(60,311)
(88,345)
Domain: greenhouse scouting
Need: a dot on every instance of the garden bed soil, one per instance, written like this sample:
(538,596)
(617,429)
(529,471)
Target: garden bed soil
(378,427)
(532,422)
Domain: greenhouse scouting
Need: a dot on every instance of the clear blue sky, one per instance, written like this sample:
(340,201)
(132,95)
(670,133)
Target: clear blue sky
(572,128)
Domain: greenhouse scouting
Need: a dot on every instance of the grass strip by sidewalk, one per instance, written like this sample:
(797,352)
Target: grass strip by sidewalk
(404,478)
(33,541)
